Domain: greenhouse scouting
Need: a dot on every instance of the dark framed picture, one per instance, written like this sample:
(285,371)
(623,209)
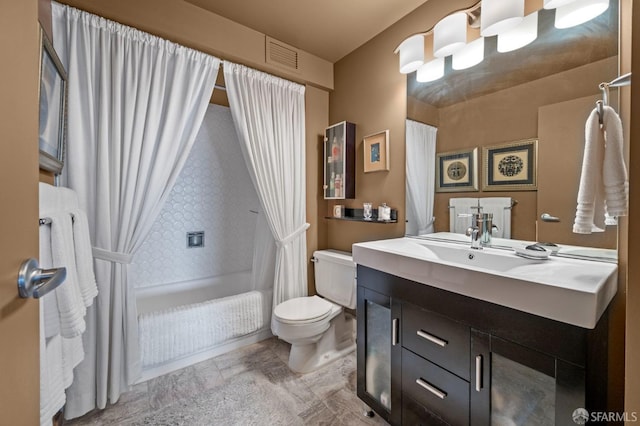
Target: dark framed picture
(376,152)
(53,108)
(511,166)
(457,171)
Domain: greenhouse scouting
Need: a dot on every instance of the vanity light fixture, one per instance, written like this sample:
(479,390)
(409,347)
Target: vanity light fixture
(499,16)
(431,71)
(450,34)
(520,36)
(470,55)
(578,12)
(411,53)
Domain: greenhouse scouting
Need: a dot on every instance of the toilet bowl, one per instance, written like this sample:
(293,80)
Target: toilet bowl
(317,327)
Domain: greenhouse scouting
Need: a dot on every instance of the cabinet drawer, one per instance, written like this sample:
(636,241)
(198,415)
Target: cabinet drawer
(439,339)
(441,392)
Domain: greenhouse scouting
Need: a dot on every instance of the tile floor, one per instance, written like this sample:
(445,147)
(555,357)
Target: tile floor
(249,386)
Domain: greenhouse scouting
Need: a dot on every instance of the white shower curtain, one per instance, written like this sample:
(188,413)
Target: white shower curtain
(135,105)
(421,175)
(269,116)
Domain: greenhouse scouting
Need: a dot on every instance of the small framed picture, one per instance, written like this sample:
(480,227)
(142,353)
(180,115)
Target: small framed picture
(511,166)
(338,210)
(457,171)
(376,152)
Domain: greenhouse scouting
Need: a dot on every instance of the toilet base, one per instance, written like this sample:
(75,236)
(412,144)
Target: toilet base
(336,342)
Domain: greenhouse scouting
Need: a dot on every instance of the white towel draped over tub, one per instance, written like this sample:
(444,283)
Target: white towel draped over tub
(64,243)
(603,191)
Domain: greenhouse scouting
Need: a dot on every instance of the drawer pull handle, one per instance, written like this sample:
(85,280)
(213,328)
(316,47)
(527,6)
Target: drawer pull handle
(432,338)
(394,332)
(434,390)
(478,373)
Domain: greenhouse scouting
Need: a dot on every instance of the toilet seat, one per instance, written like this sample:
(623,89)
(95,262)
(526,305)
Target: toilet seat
(303,310)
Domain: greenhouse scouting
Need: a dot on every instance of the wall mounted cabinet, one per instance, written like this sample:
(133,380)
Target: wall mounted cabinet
(339,161)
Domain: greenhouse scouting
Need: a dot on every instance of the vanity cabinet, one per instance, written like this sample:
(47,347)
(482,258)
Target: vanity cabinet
(456,360)
(339,161)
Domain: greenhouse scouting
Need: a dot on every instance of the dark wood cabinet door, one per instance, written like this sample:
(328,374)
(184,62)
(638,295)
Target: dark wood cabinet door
(513,384)
(379,354)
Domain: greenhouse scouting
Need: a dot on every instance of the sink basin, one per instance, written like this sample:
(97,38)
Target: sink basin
(573,291)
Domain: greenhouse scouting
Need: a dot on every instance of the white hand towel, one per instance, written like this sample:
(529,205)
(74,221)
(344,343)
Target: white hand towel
(464,207)
(52,396)
(500,208)
(70,303)
(591,191)
(84,257)
(49,301)
(614,169)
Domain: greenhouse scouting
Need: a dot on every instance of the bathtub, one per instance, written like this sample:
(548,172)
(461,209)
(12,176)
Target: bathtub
(180,324)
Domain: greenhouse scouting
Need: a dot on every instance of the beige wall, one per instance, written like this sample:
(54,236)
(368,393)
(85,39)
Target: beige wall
(369,91)
(200,29)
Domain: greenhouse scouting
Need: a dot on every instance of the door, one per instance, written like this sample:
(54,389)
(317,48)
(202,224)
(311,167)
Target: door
(560,149)
(19,348)
(513,384)
(378,353)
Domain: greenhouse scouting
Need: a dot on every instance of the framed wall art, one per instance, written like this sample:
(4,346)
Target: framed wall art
(376,152)
(457,171)
(511,166)
(53,98)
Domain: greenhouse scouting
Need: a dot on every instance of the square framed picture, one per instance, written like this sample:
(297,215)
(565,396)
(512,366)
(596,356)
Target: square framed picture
(511,166)
(457,171)
(376,152)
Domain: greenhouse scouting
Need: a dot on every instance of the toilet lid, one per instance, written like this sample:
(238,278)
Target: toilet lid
(303,310)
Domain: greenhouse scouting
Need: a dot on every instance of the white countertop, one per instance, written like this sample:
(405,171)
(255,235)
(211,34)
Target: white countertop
(572,291)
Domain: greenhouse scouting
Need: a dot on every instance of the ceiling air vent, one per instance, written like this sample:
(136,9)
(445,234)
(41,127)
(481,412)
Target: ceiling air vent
(281,54)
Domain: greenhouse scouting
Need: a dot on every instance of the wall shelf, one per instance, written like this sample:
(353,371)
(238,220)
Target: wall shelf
(356,215)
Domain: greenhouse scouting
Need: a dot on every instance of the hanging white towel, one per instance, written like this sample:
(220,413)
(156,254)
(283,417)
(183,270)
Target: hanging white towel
(616,185)
(603,181)
(460,210)
(500,207)
(84,257)
(52,396)
(70,304)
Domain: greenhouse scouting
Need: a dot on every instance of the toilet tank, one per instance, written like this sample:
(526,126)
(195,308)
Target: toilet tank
(335,275)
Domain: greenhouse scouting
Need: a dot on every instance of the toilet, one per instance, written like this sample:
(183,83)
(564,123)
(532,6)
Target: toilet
(317,327)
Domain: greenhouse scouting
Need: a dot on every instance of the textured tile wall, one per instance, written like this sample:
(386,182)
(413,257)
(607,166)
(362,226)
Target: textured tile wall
(213,193)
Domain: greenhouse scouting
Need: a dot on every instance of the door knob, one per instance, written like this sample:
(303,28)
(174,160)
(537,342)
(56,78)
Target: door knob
(546,217)
(36,282)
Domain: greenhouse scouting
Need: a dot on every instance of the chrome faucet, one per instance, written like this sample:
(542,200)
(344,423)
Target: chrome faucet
(474,233)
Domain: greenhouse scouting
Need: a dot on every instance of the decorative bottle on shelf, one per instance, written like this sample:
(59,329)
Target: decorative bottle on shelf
(332,185)
(338,186)
(335,150)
